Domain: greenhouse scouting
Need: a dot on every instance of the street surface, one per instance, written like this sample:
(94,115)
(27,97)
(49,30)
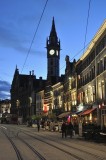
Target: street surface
(19,142)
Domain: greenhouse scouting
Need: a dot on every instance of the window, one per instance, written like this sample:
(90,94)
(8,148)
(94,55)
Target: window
(101,66)
(104,63)
(51,71)
(98,66)
(101,45)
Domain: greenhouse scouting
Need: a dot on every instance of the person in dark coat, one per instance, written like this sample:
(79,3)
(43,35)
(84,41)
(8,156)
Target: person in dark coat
(70,129)
(38,125)
(64,130)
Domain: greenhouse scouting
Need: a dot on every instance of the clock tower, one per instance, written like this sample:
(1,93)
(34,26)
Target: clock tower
(53,53)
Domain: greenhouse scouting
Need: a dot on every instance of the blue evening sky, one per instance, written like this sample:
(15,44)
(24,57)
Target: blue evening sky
(18,23)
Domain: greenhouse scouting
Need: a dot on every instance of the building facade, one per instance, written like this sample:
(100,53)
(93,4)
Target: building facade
(81,91)
(40,103)
(57,92)
(53,53)
(23,94)
(5,106)
(69,84)
(53,67)
(91,78)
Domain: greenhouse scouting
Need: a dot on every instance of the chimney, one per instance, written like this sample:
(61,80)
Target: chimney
(33,72)
(40,78)
(29,72)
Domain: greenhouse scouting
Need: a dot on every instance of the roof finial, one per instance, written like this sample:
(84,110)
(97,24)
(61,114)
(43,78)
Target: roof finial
(53,29)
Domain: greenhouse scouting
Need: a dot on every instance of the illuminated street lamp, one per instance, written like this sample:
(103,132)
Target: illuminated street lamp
(30,101)
(18,104)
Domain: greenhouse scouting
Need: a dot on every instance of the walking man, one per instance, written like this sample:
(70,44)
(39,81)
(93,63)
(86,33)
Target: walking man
(63,129)
(38,125)
(70,129)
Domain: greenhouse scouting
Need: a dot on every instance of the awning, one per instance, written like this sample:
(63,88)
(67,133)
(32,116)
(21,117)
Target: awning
(78,112)
(88,111)
(65,114)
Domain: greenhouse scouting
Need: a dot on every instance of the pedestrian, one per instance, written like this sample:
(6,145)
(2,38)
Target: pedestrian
(70,129)
(38,126)
(64,130)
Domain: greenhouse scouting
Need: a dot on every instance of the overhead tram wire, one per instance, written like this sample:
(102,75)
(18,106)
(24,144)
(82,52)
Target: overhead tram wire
(76,54)
(85,33)
(87,24)
(83,49)
(34,35)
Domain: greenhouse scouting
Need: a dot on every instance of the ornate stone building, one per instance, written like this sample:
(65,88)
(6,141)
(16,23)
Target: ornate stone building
(70,86)
(23,94)
(53,67)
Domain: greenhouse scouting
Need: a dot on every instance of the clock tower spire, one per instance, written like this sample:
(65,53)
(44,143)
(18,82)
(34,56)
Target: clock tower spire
(53,53)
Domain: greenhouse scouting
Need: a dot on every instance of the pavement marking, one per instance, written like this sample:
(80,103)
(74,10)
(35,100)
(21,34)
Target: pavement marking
(3,127)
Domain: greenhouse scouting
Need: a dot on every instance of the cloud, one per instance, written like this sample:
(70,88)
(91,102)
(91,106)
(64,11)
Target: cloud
(7,38)
(10,40)
(4,90)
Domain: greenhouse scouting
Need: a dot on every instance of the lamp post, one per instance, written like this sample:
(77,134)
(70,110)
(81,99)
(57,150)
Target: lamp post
(30,102)
(17,104)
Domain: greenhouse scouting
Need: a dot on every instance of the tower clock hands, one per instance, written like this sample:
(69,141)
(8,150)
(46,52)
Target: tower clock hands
(51,51)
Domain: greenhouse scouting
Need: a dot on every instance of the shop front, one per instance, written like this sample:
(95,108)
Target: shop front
(103,118)
(88,116)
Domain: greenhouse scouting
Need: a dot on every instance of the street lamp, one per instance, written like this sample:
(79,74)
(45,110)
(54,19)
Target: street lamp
(30,102)
(17,104)
(102,89)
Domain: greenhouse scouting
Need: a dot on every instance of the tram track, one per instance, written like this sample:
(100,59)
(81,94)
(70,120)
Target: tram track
(56,147)
(66,145)
(18,153)
(76,148)
(61,149)
(33,149)
(59,144)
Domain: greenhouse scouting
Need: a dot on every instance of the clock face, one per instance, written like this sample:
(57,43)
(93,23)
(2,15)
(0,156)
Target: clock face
(57,53)
(51,52)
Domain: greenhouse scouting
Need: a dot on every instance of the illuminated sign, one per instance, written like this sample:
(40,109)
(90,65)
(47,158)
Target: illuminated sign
(45,108)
